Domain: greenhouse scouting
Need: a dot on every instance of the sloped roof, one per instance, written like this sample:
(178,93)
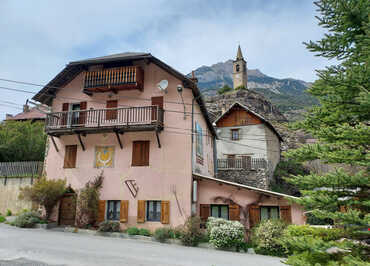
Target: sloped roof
(32,114)
(70,71)
(259,190)
(265,121)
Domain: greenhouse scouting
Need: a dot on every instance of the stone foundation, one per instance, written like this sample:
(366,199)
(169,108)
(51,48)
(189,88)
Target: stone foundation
(254,178)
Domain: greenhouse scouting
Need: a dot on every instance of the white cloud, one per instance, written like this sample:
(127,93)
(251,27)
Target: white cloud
(39,38)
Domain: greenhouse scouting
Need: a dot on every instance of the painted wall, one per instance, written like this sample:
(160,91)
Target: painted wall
(208,190)
(252,141)
(169,170)
(273,150)
(9,192)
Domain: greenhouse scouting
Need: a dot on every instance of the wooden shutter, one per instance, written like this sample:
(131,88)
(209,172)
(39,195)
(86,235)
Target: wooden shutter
(111,114)
(65,108)
(205,212)
(141,211)
(70,156)
(101,211)
(286,214)
(165,212)
(254,215)
(140,153)
(156,101)
(234,212)
(124,211)
(82,117)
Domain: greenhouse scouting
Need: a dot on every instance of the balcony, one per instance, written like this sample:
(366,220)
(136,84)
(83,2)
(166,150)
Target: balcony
(245,163)
(114,79)
(146,118)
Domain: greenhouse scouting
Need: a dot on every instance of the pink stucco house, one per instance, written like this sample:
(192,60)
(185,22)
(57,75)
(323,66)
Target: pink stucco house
(145,125)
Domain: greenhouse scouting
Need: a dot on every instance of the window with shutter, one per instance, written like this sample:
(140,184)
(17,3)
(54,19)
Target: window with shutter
(140,153)
(205,212)
(113,210)
(286,214)
(111,114)
(70,156)
(165,212)
(234,212)
(220,211)
(101,211)
(124,211)
(254,215)
(141,211)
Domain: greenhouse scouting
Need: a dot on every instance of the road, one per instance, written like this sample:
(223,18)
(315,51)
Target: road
(45,247)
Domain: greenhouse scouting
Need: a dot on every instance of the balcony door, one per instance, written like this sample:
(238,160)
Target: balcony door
(156,101)
(74,115)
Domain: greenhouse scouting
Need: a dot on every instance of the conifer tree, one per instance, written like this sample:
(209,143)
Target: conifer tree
(340,123)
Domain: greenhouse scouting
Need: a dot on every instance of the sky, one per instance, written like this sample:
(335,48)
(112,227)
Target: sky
(39,37)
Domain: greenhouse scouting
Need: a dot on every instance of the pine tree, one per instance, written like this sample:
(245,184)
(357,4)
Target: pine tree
(340,123)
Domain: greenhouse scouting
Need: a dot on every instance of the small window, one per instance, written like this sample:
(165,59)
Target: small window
(220,211)
(70,156)
(113,209)
(235,134)
(269,212)
(140,153)
(153,211)
(237,67)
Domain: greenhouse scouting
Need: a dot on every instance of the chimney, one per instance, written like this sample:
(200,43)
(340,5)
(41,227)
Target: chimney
(8,116)
(26,108)
(193,78)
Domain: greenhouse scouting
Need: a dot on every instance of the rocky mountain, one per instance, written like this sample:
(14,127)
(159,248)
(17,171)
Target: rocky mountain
(287,95)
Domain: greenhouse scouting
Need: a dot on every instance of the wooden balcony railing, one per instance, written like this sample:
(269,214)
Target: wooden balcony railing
(246,163)
(119,78)
(128,118)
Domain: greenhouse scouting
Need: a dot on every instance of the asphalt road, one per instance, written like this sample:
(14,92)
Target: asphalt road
(45,247)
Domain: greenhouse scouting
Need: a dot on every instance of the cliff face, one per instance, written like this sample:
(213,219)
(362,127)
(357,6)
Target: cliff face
(253,100)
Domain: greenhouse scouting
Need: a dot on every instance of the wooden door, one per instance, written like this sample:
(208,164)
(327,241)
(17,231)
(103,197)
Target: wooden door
(67,210)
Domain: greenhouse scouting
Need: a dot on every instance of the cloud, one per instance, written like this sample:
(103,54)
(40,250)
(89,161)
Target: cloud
(39,38)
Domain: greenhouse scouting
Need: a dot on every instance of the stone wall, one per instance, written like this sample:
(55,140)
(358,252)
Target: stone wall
(254,178)
(9,192)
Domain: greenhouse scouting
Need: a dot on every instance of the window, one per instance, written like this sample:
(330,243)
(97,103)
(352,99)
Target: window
(220,211)
(140,153)
(153,211)
(70,156)
(199,143)
(113,209)
(235,134)
(237,67)
(269,212)
(111,114)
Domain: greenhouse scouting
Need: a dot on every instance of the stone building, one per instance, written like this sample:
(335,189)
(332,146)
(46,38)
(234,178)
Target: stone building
(239,70)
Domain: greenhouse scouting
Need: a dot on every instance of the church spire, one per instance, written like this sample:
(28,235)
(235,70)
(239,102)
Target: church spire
(239,55)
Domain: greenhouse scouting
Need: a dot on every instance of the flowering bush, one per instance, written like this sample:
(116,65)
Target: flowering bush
(266,237)
(214,222)
(226,234)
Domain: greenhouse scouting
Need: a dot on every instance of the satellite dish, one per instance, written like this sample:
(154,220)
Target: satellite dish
(162,86)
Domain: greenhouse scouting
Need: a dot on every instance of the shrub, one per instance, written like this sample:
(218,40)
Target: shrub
(44,192)
(224,89)
(227,235)
(8,212)
(266,237)
(144,232)
(162,234)
(241,87)
(133,231)
(191,234)
(109,226)
(2,219)
(27,219)
(88,202)
(214,222)
(326,234)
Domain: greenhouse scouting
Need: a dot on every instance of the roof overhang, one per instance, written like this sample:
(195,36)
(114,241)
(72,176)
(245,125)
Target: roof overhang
(70,71)
(264,120)
(258,190)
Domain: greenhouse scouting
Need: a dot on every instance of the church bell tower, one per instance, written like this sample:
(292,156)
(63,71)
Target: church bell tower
(239,70)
